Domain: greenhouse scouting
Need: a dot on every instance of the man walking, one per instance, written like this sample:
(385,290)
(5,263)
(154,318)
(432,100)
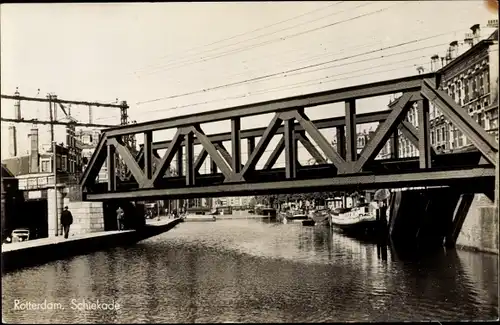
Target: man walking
(66,221)
(120,216)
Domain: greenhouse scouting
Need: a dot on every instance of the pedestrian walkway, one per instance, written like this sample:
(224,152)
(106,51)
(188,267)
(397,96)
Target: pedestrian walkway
(37,251)
(56,240)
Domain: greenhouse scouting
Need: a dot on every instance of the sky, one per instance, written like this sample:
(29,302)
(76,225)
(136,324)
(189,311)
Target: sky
(164,59)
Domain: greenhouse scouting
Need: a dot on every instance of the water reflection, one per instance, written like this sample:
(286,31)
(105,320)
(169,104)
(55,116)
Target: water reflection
(251,271)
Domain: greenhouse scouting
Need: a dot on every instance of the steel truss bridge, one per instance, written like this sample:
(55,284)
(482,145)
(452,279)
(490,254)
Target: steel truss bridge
(337,168)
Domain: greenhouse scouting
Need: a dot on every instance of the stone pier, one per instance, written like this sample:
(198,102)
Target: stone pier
(480,228)
(53,214)
(88,217)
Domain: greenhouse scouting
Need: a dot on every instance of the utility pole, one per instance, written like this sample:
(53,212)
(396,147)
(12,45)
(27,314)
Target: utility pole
(54,164)
(51,118)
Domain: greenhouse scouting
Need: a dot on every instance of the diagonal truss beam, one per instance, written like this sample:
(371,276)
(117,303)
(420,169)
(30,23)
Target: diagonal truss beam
(327,148)
(280,146)
(129,161)
(461,119)
(164,163)
(331,122)
(311,148)
(212,151)
(383,133)
(200,159)
(411,133)
(224,153)
(385,87)
(95,163)
(261,146)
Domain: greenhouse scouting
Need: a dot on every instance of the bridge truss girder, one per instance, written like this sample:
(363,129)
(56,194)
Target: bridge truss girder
(342,167)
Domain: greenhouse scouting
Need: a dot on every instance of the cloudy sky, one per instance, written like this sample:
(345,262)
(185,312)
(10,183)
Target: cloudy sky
(164,59)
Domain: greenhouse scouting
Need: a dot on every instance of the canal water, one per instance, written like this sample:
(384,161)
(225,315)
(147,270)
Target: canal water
(253,271)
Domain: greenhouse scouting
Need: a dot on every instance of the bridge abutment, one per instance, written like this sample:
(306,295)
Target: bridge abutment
(433,217)
(480,228)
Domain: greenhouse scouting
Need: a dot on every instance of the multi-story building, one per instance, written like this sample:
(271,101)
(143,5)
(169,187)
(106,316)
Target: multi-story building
(39,162)
(471,79)
(363,137)
(469,74)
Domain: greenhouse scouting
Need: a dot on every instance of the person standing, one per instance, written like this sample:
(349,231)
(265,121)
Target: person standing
(120,215)
(66,221)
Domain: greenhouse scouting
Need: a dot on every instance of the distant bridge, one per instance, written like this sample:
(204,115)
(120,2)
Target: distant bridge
(336,169)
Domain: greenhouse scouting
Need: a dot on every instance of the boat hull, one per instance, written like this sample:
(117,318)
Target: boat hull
(309,222)
(358,227)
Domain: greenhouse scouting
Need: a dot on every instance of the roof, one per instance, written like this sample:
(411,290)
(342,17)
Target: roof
(6,172)
(17,165)
(485,43)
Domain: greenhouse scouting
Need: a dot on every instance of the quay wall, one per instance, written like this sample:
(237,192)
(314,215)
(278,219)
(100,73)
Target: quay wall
(480,229)
(88,217)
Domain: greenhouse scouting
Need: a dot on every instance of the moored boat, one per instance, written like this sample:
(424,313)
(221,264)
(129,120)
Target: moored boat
(357,219)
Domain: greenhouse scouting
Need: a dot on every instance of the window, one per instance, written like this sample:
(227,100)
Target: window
(64,162)
(460,139)
(46,166)
(486,82)
(481,89)
(438,140)
(493,123)
(433,138)
(58,162)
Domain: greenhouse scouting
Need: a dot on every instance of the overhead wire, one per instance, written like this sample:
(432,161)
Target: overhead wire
(290,70)
(279,39)
(189,61)
(183,53)
(309,58)
(284,87)
(241,34)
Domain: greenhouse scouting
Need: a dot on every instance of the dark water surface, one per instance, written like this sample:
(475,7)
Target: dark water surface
(251,271)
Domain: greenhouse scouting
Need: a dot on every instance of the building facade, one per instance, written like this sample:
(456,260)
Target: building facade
(469,74)
(363,137)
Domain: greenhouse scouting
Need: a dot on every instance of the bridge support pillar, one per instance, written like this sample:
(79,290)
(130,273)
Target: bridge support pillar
(250,146)
(340,134)
(53,215)
(395,145)
(424,147)
(290,149)
(459,216)
(350,129)
(180,158)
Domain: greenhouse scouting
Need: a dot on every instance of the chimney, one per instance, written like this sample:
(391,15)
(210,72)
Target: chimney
(468,40)
(13,141)
(435,63)
(70,135)
(493,23)
(453,52)
(55,107)
(34,151)
(17,106)
(475,33)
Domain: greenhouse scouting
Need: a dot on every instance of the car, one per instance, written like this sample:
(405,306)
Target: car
(20,234)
